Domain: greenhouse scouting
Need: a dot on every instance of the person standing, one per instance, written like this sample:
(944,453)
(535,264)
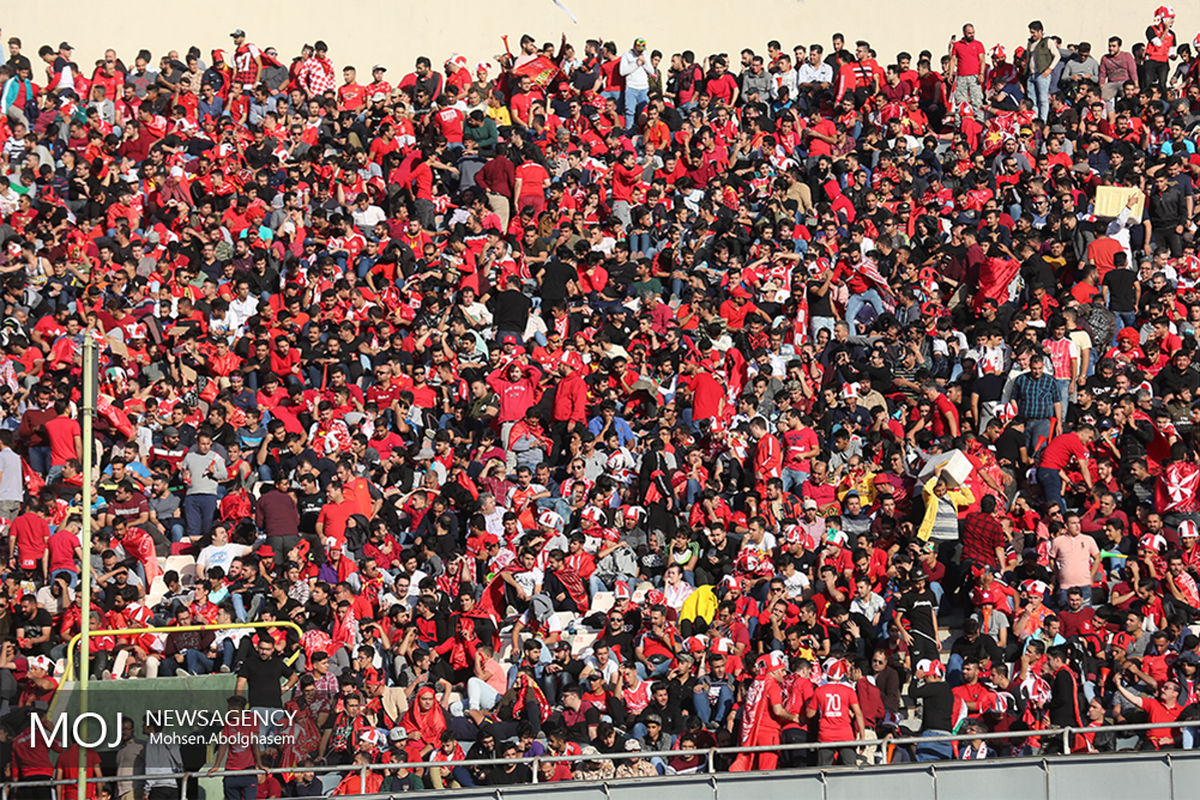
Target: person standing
(65,438)
(12,482)
(1038,402)
(635,69)
(929,687)
(841,717)
(276,515)
(239,751)
(1056,459)
(1076,560)
(1160,48)
(203,470)
(1043,58)
(1116,67)
(763,714)
(966,68)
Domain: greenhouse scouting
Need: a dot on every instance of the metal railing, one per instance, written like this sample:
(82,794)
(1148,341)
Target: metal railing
(69,671)
(709,755)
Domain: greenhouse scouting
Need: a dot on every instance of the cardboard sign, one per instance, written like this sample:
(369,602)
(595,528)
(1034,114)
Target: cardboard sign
(1111,199)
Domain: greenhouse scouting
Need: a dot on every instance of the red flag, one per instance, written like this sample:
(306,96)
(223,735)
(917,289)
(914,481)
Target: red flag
(1176,488)
(541,71)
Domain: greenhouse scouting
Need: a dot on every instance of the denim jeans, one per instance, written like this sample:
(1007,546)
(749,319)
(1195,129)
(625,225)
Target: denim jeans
(39,459)
(934,751)
(1037,433)
(793,478)
(822,323)
(1037,89)
(198,663)
(708,711)
(1125,319)
(241,787)
(954,667)
(169,666)
(71,576)
(635,101)
(855,304)
(1189,738)
(1064,393)
(481,696)
(1051,482)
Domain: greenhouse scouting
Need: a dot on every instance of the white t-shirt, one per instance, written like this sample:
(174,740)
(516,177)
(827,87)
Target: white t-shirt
(214,556)
(869,607)
(12,484)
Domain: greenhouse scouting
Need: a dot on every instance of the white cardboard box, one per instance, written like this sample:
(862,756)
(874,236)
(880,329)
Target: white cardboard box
(957,470)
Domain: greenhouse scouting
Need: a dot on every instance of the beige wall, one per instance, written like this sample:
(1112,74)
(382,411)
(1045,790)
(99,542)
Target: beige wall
(363,32)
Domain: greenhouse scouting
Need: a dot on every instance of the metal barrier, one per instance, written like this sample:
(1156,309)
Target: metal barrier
(709,754)
(215,626)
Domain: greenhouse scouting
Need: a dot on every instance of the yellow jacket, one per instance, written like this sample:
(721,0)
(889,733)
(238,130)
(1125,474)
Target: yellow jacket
(700,604)
(961,496)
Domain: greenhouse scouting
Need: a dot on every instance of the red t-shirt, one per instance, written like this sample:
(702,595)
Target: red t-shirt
(832,702)
(61,432)
(1058,453)
(352,96)
(241,756)
(721,88)
(1157,712)
(795,443)
(945,412)
(450,121)
(32,533)
(62,550)
(968,54)
(334,517)
(532,175)
(817,147)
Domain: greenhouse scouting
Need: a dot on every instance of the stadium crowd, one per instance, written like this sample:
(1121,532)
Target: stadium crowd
(592,400)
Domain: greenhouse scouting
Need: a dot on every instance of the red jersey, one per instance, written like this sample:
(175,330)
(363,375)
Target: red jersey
(832,703)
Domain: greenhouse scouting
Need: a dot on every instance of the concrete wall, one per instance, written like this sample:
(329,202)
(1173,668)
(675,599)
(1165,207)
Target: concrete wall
(1152,775)
(363,32)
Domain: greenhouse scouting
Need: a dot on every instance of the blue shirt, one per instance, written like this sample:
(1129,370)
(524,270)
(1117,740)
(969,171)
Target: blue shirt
(1035,397)
(624,432)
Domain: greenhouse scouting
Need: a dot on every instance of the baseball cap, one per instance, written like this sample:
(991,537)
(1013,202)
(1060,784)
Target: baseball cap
(632,745)
(65,46)
(236,33)
(378,97)
(809,503)
(379,68)
(397,734)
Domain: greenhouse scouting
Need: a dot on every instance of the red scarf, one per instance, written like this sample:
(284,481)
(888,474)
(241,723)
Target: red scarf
(430,723)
